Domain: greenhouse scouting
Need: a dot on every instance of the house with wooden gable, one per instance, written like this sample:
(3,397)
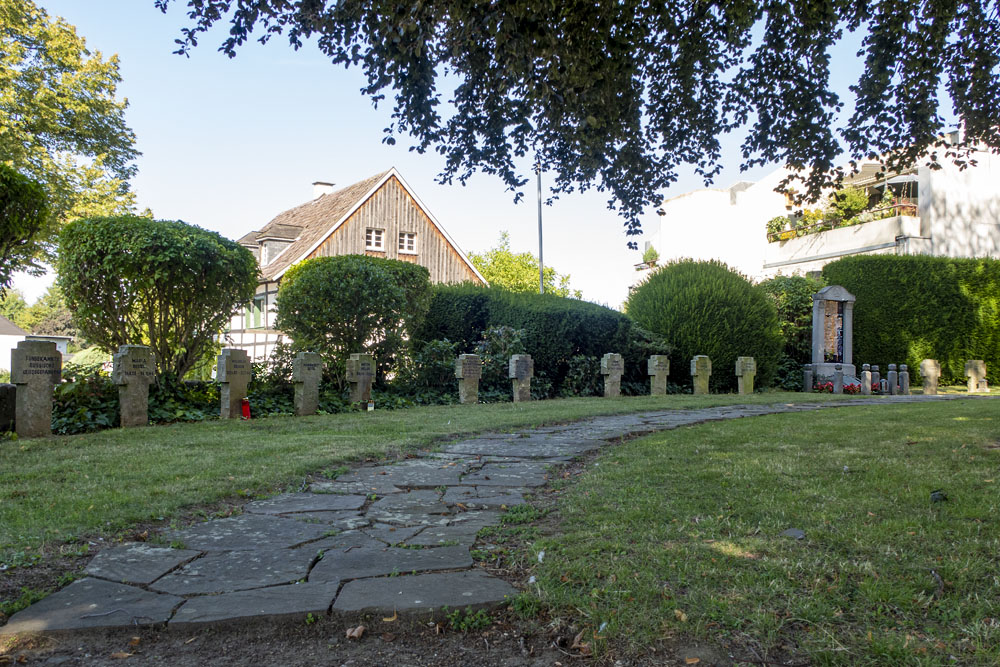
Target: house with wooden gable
(380,216)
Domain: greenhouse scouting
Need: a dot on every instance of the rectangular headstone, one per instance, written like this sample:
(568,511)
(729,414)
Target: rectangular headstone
(807,377)
(975,371)
(701,370)
(360,375)
(930,371)
(520,371)
(35,367)
(468,371)
(233,374)
(612,368)
(307,371)
(134,370)
(746,371)
(892,378)
(658,368)
(866,379)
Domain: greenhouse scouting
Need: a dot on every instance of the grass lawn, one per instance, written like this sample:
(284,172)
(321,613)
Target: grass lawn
(55,490)
(678,534)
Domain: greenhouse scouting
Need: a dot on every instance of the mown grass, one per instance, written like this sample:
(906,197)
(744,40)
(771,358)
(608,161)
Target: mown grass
(678,534)
(54,490)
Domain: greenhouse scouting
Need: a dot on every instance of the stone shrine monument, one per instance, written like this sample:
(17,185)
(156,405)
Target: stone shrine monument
(904,380)
(134,370)
(520,372)
(307,371)
(746,370)
(930,371)
(234,375)
(612,368)
(701,370)
(833,333)
(468,370)
(360,375)
(658,367)
(35,367)
(975,370)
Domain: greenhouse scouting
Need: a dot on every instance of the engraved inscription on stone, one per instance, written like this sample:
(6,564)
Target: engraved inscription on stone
(134,370)
(234,375)
(35,367)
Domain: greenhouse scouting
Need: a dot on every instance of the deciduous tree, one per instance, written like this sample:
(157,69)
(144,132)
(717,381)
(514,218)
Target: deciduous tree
(518,272)
(23,212)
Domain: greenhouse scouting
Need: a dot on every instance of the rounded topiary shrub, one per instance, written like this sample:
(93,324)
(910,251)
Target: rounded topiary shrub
(707,308)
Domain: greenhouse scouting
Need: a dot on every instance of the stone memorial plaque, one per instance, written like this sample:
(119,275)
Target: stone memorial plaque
(930,371)
(233,373)
(307,371)
(520,371)
(746,371)
(658,368)
(134,370)
(975,371)
(468,370)
(701,370)
(35,367)
(360,375)
(612,367)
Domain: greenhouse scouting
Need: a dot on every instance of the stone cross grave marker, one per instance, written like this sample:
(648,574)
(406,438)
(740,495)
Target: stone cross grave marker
(233,373)
(892,377)
(838,378)
(930,371)
(468,370)
(904,380)
(866,379)
(746,370)
(134,370)
(360,375)
(658,368)
(975,370)
(520,372)
(701,370)
(35,367)
(307,371)
(807,377)
(612,368)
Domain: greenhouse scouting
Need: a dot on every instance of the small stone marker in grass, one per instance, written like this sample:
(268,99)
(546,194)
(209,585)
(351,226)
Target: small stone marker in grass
(866,379)
(746,370)
(134,370)
(307,371)
(35,367)
(234,375)
(468,370)
(612,367)
(892,377)
(930,371)
(520,372)
(838,378)
(701,370)
(807,377)
(904,380)
(658,368)
(360,375)
(975,370)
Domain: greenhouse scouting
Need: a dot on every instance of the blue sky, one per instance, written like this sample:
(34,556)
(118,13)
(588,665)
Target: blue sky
(229,143)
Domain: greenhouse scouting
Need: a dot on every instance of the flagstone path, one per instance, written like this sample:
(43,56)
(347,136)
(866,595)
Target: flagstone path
(390,538)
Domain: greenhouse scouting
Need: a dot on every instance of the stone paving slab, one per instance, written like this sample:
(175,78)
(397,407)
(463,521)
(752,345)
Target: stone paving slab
(90,604)
(305,502)
(237,571)
(415,508)
(425,473)
(363,481)
(339,520)
(247,531)
(519,474)
(276,601)
(519,450)
(461,534)
(424,592)
(390,534)
(353,539)
(487,497)
(137,563)
(361,563)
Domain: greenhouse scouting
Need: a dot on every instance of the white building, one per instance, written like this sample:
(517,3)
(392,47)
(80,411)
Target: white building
(10,336)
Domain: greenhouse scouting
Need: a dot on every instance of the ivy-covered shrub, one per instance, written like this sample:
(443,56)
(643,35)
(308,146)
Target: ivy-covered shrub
(428,375)
(707,308)
(792,296)
(169,285)
(85,401)
(340,305)
(555,329)
(915,307)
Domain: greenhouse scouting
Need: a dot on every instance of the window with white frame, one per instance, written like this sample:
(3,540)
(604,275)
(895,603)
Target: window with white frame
(374,239)
(408,242)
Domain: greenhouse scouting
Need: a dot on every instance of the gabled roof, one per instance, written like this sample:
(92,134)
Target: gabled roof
(8,328)
(315,221)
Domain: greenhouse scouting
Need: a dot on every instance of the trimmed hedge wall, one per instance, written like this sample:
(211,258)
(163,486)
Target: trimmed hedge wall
(916,307)
(556,328)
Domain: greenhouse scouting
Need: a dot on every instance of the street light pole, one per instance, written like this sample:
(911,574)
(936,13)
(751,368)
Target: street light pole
(541,265)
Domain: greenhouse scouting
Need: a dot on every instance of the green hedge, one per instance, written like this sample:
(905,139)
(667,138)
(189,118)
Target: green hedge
(556,329)
(916,307)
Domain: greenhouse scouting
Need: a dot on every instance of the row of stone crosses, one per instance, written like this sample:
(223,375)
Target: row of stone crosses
(898,382)
(36,367)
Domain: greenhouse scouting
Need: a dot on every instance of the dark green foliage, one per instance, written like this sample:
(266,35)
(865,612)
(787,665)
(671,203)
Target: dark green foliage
(792,296)
(916,307)
(495,349)
(707,308)
(555,329)
(23,212)
(352,303)
(85,401)
(166,284)
(428,375)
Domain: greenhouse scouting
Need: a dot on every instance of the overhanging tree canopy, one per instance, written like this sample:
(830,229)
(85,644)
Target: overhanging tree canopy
(618,94)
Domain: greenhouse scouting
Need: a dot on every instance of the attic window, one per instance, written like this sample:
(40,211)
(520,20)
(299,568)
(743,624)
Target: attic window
(408,242)
(374,239)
